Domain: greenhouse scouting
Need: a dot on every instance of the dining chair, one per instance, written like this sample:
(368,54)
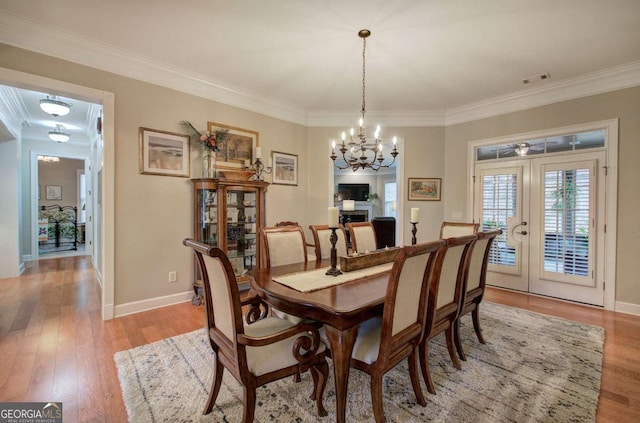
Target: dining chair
(321,234)
(383,342)
(474,286)
(255,354)
(453,229)
(282,245)
(287,223)
(363,236)
(446,294)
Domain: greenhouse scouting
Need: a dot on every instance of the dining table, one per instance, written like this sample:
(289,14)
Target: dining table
(340,308)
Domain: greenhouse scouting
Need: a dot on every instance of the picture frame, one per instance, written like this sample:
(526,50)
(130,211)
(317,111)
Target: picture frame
(238,146)
(285,168)
(53,192)
(163,153)
(424,189)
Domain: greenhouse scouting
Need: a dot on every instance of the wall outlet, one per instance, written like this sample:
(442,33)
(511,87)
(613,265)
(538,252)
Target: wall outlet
(173,276)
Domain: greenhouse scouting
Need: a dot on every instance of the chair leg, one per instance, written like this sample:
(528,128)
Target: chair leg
(320,374)
(424,364)
(215,387)
(456,338)
(415,378)
(249,404)
(376,397)
(475,314)
(454,358)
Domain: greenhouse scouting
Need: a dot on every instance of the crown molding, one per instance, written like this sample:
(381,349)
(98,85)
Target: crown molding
(26,34)
(12,110)
(615,78)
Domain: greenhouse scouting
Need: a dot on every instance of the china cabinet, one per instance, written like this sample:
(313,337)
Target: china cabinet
(228,214)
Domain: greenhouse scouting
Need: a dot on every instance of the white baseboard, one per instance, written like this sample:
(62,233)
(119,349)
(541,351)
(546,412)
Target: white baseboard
(628,308)
(152,303)
(21,268)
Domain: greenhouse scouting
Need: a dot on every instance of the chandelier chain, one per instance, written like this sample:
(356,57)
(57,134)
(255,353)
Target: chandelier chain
(364,47)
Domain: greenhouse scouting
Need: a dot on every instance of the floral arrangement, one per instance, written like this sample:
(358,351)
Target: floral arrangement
(208,140)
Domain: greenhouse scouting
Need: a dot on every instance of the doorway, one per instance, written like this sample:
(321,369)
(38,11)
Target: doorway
(552,207)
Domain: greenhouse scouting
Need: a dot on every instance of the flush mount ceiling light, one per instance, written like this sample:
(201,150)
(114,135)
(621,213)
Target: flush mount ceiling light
(59,135)
(54,106)
(522,149)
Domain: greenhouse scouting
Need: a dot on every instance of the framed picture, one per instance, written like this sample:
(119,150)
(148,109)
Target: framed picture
(238,146)
(164,153)
(53,192)
(285,168)
(425,189)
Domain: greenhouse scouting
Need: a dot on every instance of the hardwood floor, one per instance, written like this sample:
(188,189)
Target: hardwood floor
(55,347)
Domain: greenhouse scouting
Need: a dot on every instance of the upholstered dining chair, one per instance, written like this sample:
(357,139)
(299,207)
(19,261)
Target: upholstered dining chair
(287,223)
(383,342)
(474,286)
(321,234)
(255,354)
(363,236)
(446,294)
(453,229)
(282,245)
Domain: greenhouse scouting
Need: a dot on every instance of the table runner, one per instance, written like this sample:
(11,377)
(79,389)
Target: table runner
(317,279)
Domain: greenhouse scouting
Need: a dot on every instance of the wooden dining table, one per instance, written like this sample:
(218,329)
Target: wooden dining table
(341,308)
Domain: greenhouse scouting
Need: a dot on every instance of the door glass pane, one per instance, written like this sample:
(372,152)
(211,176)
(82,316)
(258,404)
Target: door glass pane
(566,221)
(499,202)
(390,197)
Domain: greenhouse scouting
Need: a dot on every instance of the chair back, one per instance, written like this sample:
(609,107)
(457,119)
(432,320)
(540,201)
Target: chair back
(363,236)
(321,234)
(454,229)
(407,295)
(282,245)
(222,299)
(287,223)
(454,271)
(477,276)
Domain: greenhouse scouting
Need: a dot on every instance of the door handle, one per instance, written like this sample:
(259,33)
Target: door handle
(522,232)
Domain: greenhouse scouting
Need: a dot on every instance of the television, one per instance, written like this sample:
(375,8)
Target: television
(357,192)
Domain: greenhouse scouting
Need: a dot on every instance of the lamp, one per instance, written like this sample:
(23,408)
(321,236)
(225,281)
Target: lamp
(59,135)
(54,106)
(522,148)
(370,155)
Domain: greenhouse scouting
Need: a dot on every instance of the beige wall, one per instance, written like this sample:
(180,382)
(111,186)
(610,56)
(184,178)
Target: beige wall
(622,104)
(154,213)
(62,174)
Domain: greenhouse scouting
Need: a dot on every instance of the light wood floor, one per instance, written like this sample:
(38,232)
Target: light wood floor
(55,347)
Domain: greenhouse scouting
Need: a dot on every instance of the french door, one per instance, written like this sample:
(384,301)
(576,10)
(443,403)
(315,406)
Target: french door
(551,212)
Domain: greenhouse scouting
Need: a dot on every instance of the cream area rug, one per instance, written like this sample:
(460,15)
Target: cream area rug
(533,368)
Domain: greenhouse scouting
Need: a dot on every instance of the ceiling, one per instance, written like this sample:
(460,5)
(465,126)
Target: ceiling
(427,61)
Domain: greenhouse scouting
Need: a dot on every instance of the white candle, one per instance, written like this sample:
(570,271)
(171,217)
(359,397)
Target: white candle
(258,152)
(247,163)
(415,215)
(333,217)
(269,162)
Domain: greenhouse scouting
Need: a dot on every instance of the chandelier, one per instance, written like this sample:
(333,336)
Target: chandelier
(54,106)
(58,134)
(362,155)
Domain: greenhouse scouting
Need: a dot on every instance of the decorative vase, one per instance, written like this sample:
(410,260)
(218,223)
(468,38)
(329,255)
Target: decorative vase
(208,163)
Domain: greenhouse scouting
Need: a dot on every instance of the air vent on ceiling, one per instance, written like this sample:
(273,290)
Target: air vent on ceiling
(531,79)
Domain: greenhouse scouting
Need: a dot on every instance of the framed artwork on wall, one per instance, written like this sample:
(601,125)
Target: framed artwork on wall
(285,168)
(163,153)
(424,189)
(238,145)
(53,192)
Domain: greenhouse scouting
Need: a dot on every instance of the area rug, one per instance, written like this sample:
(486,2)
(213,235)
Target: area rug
(533,368)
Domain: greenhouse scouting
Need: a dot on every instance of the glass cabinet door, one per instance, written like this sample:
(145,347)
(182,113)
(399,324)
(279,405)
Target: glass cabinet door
(242,217)
(207,216)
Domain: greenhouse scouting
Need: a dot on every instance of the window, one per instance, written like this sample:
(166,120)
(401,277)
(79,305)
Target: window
(390,198)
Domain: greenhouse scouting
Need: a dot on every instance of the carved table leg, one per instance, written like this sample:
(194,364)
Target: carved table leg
(341,344)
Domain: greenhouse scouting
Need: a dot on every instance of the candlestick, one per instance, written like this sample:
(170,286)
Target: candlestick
(415,215)
(333,270)
(333,217)
(413,233)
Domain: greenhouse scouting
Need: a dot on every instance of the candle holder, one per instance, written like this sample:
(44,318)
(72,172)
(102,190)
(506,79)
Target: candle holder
(259,168)
(333,270)
(413,233)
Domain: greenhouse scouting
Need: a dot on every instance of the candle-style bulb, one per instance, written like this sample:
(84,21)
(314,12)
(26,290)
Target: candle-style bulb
(352,132)
(344,136)
(395,140)
(361,122)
